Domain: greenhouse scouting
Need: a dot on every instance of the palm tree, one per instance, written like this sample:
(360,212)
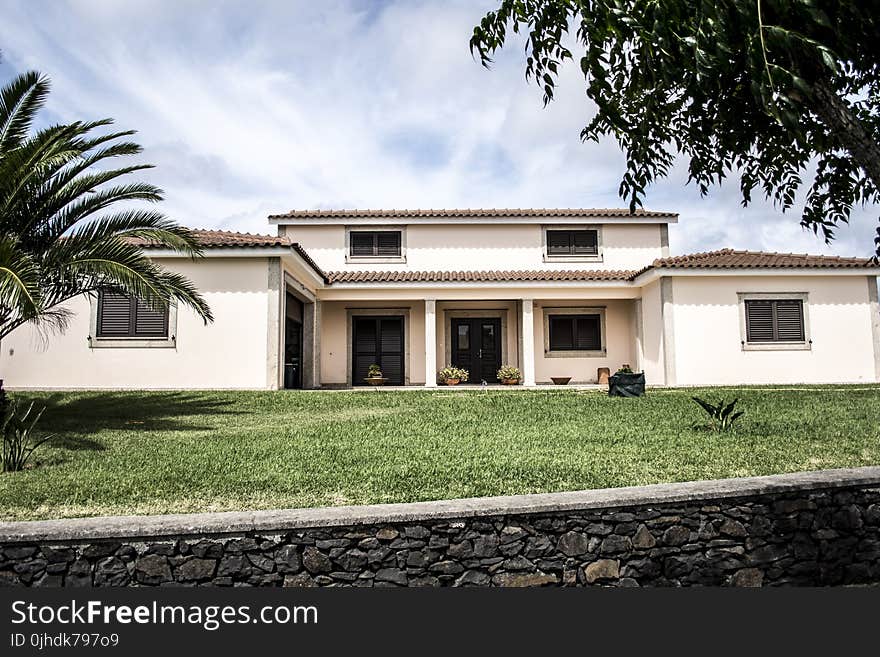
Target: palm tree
(57,241)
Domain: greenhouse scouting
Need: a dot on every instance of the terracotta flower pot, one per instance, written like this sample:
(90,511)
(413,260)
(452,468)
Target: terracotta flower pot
(376,380)
(452,382)
(510,382)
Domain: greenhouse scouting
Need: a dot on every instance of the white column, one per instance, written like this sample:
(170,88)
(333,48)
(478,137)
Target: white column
(430,343)
(528,343)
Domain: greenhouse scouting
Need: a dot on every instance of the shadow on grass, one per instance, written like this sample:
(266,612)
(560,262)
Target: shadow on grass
(72,416)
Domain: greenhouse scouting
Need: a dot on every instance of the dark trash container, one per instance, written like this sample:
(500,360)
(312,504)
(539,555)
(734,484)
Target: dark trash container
(626,385)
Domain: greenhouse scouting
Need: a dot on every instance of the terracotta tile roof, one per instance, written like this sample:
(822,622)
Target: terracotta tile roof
(474,276)
(227,239)
(470,213)
(732,259)
(218,239)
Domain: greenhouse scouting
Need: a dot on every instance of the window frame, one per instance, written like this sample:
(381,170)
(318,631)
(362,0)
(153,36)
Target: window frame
(548,257)
(575,353)
(805,345)
(349,258)
(136,341)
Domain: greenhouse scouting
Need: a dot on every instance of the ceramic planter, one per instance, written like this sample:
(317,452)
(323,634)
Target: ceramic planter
(376,380)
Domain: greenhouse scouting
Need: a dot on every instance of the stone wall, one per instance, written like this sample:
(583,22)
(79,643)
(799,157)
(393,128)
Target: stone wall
(801,529)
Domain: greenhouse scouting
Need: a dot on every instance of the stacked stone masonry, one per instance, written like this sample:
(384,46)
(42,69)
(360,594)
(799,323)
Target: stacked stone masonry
(813,537)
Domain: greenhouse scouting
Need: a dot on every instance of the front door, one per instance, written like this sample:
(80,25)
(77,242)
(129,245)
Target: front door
(476,347)
(377,341)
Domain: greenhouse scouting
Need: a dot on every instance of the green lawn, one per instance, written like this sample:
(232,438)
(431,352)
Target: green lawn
(164,452)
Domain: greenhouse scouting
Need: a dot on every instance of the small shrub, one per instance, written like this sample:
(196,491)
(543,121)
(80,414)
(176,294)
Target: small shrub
(18,442)
(508,372)
(624,369)
(374,372)
(450,372)
(721,415)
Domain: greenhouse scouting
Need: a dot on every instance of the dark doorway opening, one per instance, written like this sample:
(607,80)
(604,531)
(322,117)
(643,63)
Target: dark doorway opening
(377,341)
(476,347)
(293,342)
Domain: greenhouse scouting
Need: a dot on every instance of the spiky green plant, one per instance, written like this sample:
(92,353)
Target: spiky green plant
(17,429)
(59,238)
(721,415)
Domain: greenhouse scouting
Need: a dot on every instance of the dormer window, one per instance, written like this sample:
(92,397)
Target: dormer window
(375,245)
(570,244)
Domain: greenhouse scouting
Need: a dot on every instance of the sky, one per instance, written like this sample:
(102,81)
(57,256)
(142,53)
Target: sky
(251,108)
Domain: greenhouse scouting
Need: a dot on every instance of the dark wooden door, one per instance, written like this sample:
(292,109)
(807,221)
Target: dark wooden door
(476,347)
(377,341)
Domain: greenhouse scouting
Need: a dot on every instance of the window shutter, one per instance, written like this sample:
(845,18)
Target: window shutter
(585,242)
(114,315)
(558,242)
(759,321)
(361,243)
(775,320)
(587,332)
(561,334)
(789,320)
(388,243)
(149,322)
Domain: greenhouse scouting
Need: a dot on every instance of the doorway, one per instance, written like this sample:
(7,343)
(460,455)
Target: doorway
(293,342)
(476,347)
(377,341)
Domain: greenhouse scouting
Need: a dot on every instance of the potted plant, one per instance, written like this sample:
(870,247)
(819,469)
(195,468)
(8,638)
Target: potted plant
(509,375)
(626,383)
(452,375)
(374,376)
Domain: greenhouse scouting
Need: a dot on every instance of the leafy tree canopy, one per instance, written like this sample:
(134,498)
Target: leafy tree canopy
(763,88)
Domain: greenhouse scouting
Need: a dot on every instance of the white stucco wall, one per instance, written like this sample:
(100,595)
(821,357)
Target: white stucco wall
(708,347)
(619,342)
(444,247)
(230,353)
(336,332)
(651,357)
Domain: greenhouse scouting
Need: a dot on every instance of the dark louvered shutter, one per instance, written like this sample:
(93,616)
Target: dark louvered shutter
(122,316)
(114,315)
(561,334)
(790,320)
(362,243)
(365,353)
(378,341)
(558,242)
(587,333)
(149,322)
(388,243)
(774,320)
(759,321)
(391,345)
(585,242)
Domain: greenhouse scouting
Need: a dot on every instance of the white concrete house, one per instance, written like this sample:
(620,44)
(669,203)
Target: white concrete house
(557,293)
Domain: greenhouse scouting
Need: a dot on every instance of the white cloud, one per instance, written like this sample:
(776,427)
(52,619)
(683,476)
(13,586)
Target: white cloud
(250,108)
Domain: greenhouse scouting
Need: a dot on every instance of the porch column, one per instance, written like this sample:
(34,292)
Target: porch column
(528,342)
(430,343)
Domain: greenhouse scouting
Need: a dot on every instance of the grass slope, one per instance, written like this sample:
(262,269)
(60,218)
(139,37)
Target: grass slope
(162,452)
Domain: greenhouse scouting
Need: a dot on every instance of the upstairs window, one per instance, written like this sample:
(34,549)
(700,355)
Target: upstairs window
(774,321)
(375,244)
(576,243)
(122,316)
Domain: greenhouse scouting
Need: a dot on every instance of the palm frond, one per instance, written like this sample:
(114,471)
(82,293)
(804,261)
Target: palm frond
(20,100)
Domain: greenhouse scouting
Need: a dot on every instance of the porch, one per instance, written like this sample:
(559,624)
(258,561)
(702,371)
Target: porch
(412,339)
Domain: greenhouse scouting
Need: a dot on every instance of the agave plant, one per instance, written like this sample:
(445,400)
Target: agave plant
(721,415)
(56,240)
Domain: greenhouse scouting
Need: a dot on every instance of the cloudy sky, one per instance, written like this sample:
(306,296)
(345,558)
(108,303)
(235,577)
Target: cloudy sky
(255,107)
